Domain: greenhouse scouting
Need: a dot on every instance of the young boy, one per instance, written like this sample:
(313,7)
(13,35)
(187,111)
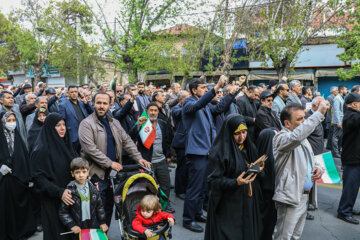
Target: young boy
(87,211)
(148,213)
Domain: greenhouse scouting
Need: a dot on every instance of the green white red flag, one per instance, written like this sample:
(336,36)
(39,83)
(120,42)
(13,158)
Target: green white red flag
(92,234)
(330,173)
(147,132)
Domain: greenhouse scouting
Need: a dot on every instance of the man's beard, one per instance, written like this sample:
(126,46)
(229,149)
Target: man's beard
(153,118)
(99,115)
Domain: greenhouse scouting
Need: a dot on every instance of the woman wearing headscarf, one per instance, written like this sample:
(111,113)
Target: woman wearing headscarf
(52,155)
(267,182)
(38,122)
(233,211)
(16,218)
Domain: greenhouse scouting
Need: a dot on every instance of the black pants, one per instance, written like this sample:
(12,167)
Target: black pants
(107,198)
(329,138)
(336,139)
(197,187)
(181,173)
(162,175)
(268,213)
(351,184)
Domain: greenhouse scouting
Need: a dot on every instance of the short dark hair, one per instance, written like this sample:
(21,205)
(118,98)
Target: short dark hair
(279,88)
(141,83)
(155,94)
(129,86)
(2,85)
(2,94)
(152,104)
(72,86)
(102,93)
(122,96)
(252,88)
(342,87)
(85,84)
(304,90)
(194,83)
(79,163)
(288,110)
(355,88)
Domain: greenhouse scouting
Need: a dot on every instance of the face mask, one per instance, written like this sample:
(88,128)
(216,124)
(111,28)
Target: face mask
(10,126)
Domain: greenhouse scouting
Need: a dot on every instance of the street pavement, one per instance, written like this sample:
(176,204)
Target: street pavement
(325,226)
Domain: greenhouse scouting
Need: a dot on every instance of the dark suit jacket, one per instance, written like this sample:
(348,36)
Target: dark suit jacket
(180,131)
(72,123)
(126,116)
(316,138)
(147,153)
(53,106)
(198,120)
(266,118)
(248,110)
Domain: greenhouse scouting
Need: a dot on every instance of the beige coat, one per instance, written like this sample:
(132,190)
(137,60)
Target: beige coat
(92,137)
(291,161)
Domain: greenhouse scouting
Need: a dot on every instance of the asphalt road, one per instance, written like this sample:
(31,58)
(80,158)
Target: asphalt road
(325,226)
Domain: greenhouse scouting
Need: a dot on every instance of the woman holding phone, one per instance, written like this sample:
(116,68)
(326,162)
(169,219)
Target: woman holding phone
(234,192)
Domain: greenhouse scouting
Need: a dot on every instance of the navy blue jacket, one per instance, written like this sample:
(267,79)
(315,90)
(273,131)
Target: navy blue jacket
(53,106)
(126,116)
(179,139)
(72,123)
(198,120)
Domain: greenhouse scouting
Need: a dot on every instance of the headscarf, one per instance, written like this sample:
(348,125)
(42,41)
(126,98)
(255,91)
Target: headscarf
(18,159)
(52,154)
(264,145)
(9,134)
(35,128)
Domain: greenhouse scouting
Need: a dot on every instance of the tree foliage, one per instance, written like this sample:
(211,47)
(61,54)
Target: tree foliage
(283,27)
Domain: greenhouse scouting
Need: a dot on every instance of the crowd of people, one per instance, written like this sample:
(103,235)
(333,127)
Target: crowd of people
(244,154)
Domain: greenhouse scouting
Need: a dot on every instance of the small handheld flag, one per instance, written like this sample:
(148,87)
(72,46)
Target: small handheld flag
(147,132)
(92,234)
(330,173)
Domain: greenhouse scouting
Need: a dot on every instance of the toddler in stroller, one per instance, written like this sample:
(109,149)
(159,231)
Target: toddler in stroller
(148,213)
(130,186)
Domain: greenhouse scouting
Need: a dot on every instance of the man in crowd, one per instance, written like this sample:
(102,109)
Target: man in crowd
(265,117)
(1,87)
(282,92)
(173,99)
(248,109)
(334,92)
(199,123)
(74,111)
(350,159)
(178,143)
(336,121)
(102,140)
(165,113)
(141,97)
(296,89)
(159,153)
(29,106)
(306,96)
(40,102)
(19,99)
(53,98)
(295,169)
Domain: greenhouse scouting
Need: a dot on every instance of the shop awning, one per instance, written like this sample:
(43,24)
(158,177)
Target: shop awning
(299,74)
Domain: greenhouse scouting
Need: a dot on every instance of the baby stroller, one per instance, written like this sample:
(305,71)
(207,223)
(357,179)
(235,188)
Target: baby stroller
(130,185)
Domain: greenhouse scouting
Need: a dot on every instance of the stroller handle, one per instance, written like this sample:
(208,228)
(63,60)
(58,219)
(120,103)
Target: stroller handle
(131,167)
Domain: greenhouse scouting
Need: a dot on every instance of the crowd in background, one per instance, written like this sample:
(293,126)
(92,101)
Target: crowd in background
(211,133)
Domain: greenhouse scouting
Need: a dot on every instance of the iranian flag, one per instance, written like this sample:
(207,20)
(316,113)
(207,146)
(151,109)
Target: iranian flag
(147,132)
(92,234)
(330,173)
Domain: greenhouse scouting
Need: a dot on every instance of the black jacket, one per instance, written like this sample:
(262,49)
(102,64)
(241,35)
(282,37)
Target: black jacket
(316,138)
(248,110)
(70,216)
(351,138)
(147,153)
(126,116)
(266,118)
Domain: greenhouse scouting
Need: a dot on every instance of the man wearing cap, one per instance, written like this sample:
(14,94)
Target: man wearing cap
(334,91)
(265,117)
(350,159)
(19,99)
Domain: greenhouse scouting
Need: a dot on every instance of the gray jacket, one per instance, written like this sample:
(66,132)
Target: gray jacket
(291,161)
(278,106)
(338,110)
(293,99)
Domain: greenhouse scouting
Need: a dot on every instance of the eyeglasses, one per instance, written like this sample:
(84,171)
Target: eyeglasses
(119,91)
(269,100)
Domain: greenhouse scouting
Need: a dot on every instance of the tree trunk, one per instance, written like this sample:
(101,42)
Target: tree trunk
(37,76)
(283,69)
